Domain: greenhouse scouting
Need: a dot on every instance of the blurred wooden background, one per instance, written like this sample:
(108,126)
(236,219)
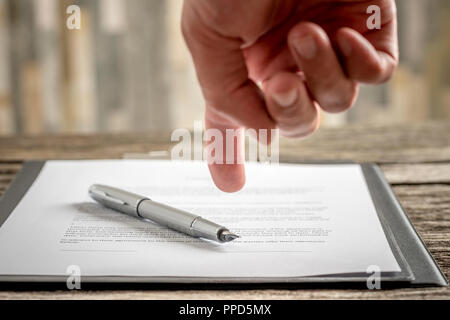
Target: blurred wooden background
(127,69)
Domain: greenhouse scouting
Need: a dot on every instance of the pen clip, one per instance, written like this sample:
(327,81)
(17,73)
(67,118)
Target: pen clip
(106,197)
(117,199)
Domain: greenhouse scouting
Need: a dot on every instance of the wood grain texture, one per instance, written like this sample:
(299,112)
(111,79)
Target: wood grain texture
(415,160)
(425,143)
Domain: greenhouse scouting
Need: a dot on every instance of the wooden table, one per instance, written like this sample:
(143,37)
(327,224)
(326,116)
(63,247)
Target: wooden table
(414,158)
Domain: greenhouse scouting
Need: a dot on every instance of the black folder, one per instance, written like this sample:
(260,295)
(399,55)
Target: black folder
(418,267)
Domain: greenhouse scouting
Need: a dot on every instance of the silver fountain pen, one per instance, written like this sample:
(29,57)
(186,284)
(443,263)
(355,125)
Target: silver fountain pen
(142,207)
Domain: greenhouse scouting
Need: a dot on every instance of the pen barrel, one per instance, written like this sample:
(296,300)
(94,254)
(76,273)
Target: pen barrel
(179,220)
(203,228)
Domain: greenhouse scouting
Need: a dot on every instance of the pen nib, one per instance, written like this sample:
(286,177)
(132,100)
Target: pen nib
(227,236)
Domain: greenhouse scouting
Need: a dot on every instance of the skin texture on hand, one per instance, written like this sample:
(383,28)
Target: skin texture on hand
(307,54)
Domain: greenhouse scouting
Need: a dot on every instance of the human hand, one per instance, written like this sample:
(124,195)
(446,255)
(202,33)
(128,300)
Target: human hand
(307,54)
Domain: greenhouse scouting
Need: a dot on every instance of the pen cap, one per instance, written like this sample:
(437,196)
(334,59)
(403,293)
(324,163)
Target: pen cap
(167,216)
(117,199)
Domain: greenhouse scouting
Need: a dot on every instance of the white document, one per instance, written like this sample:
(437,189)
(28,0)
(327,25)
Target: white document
(294,220)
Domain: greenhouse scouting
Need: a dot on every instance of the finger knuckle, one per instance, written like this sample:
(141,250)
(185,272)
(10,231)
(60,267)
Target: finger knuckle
(302,130)
(303,124)
(341,101)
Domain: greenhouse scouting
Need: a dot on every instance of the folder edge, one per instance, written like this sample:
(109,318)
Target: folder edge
(423,266)
(393,218)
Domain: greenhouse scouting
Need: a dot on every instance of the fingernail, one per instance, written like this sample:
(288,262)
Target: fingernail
(285,99)
(346,48)
(306,47)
